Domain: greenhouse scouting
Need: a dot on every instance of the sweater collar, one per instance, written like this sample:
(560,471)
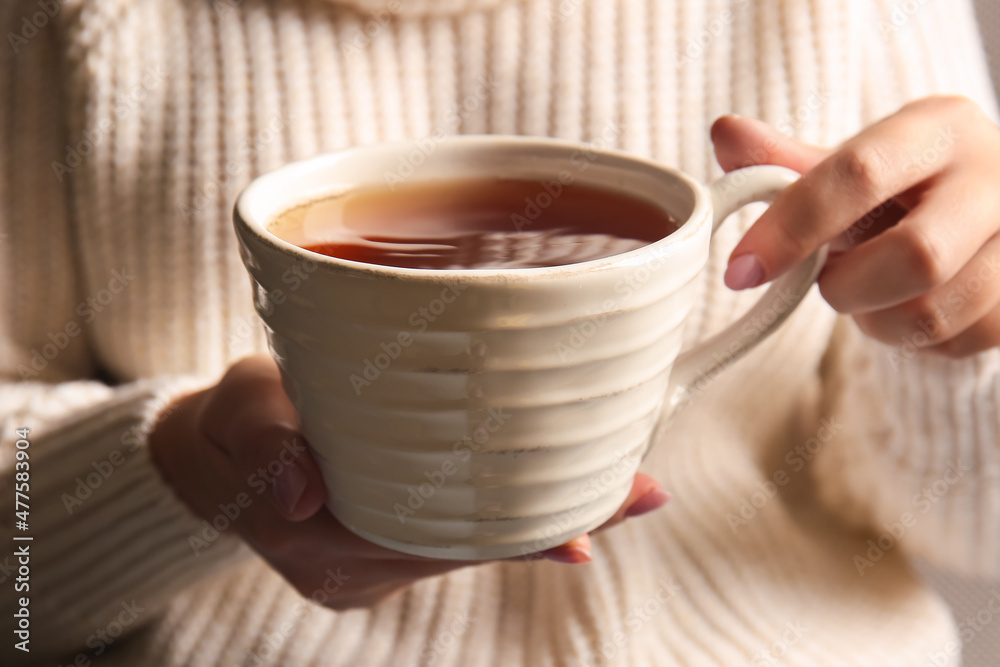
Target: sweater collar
(417,7)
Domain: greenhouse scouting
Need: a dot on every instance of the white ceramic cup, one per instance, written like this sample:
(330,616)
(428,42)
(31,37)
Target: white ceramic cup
(491,413)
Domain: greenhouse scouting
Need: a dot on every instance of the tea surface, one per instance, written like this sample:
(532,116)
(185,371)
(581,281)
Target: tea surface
(475,224)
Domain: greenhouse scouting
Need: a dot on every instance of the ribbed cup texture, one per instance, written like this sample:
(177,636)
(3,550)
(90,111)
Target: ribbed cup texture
(471,414)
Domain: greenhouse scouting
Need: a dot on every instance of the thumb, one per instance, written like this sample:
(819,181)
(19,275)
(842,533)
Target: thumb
(744,142)
(250,418)
(276,458)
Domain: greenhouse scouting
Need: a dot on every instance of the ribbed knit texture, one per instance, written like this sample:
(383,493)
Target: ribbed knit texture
(183,102)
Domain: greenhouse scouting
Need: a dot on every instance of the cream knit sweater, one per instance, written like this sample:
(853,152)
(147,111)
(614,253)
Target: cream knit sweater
(804,479)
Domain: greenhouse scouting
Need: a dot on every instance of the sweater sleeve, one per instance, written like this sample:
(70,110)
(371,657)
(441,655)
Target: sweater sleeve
(917,459)
(109,538)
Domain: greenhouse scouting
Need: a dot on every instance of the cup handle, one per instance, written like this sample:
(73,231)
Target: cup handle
(696,367)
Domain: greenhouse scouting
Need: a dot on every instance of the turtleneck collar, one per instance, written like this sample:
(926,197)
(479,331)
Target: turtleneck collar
(417,7)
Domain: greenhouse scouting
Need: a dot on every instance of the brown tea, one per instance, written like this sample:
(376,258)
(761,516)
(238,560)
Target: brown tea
(475,224)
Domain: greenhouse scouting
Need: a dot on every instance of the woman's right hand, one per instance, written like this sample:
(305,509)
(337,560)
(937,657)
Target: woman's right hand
(235,447)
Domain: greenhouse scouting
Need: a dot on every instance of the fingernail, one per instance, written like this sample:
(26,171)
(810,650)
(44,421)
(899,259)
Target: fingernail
(649,502)
(569,554)
(289,484)
(744,272)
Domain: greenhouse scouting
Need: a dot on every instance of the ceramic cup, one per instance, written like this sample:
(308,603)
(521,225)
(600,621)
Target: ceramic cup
(492,413)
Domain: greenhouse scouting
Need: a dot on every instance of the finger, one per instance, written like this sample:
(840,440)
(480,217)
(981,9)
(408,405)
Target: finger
(247,388)
(320,553)
(250,418)
(322,538)
(981,336)
(645,496)
(943,313)
(743,142)
(923,252)
(886,159)
(576,550)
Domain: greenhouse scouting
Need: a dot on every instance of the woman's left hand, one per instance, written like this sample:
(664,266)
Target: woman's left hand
(911,207)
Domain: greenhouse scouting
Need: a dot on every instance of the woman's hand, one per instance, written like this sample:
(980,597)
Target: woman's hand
(240,437)
(912,208)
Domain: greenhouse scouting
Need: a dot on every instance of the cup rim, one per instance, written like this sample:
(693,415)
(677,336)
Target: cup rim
(244,217)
